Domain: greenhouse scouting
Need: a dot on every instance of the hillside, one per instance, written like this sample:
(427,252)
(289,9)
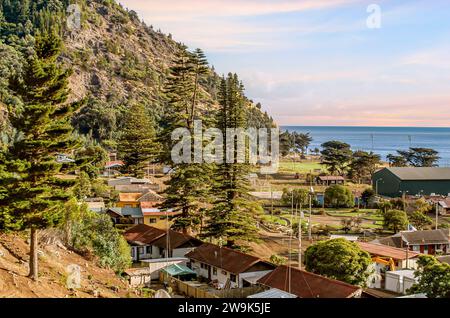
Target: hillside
(54,260)
(117,60)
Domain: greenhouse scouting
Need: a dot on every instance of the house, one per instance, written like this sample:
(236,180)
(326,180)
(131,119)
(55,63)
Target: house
(304,284)
(423,242)
(148,242)
(133,200)
(112,168)
(156,217)
(330,180)
(444,206)
(227,267)
(402,258)
(125,215)
(387,259)
(129,200)
(151,270)
(394,182)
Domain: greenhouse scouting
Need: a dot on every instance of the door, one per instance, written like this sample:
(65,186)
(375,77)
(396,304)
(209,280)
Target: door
(209,272)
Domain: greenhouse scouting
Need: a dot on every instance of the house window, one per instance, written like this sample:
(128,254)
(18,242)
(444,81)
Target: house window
(133,252)
(152,221)
(149,249)
(224,273)
(214,271)
(233,278)
(141,250)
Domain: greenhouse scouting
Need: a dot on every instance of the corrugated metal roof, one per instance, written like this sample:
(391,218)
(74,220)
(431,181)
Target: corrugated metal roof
(308,285)
(273,293)
(224,258)
(178,270)
(386,251)
(416,174)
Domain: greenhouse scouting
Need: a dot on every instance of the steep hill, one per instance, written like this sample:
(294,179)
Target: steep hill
(54,262)
(116,58)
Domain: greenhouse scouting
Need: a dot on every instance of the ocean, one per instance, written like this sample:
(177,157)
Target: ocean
(382,140)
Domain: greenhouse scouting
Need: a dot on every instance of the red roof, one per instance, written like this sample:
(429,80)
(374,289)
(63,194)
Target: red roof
(386,251)
(224,258)
(112,164)
(308,285)
(152,236)
(143,233)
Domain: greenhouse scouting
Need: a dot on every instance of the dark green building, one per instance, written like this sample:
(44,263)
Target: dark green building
(393,182)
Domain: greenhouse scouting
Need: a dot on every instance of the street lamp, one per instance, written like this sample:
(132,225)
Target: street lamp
(376,185)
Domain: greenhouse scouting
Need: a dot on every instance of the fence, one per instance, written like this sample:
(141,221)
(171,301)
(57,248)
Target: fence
(198,290)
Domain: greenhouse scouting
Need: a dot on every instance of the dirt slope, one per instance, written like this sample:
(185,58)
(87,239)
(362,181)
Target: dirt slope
(54,260)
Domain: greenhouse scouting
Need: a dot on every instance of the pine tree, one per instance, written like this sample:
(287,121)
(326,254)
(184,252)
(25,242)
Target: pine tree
(188,186)
(137,145)
(30,191)
(232,217)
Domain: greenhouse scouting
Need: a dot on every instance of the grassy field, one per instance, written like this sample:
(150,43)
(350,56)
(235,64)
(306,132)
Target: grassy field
(300,167)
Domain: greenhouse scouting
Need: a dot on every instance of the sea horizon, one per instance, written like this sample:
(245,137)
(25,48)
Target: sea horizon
(382,140)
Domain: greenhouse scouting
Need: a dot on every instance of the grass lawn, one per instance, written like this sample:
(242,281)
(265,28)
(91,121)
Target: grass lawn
(300,167)
(273,219)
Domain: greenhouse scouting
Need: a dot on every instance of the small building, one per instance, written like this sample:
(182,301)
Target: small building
(96,206)
(126,215)
(227,267)
(400,281)
(148,242)
(423,242)
(304,284)
(134,200)
(180,272)
(394,182)
(156,217)
(112,168)
(127,181)
(330,180)
(444,206)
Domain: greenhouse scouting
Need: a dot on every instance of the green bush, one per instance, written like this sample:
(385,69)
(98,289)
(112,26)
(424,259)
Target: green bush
(92,233)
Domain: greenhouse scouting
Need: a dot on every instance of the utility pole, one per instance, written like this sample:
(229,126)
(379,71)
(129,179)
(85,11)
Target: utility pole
(300,219)
(437,216)
(310,214)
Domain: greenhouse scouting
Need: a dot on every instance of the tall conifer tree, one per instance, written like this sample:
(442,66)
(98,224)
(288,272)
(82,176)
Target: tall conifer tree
(137,145)
(188,186)
(232,217)
(30,191)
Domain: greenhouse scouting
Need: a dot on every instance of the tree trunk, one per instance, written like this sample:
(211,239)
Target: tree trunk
(33,255)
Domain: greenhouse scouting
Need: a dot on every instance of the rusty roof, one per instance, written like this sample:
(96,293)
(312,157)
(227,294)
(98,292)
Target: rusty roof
(308,285)
(386,251)
(176,240)
(332,178)
(129,197)
(224,258)
(143,233)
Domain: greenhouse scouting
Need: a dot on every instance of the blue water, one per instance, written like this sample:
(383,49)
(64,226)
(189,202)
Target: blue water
(382,140)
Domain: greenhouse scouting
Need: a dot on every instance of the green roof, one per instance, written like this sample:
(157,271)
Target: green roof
(412,173)
(178,270)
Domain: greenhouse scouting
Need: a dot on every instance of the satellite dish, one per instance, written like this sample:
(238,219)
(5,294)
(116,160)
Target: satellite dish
(162,294)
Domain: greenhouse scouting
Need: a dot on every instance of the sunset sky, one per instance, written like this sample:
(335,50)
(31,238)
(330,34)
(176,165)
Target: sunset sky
(315,62)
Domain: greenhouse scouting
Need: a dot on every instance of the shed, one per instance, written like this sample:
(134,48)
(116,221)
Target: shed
(393,182)
(180,272)
(273,293)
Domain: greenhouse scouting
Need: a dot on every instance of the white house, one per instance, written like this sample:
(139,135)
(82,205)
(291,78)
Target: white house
(226,267)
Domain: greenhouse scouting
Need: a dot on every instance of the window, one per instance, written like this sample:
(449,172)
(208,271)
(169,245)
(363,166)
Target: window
(141,250)
(214,271)
(224,273)
(149,249)
(233,278)
(133,252)
(152,221)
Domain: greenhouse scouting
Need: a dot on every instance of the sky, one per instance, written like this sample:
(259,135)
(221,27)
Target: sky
(317,62)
